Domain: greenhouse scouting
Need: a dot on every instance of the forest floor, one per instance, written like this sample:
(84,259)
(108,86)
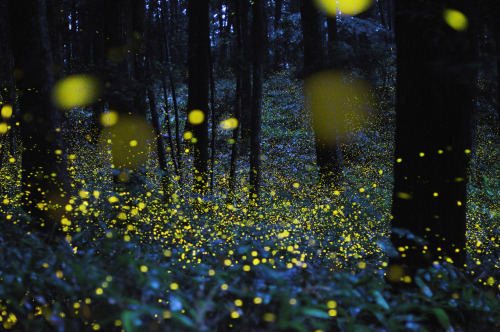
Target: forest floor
(304,260)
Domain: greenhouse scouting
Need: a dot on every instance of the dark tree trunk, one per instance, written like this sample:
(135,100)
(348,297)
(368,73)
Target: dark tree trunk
(433,134)
(256,118)
(174,96)
(237,106)
(331,22)
(328,154)
(160,146)
(246,72)
(44,171)
(198,85)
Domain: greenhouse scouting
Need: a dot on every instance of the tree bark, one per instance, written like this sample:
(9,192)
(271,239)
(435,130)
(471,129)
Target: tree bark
(256,119)
(246,73)
(198,85)
(45,181)
(328,153)
(433,134)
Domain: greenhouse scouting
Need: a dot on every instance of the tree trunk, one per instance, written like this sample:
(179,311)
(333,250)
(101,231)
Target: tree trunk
(433,134)
(237,106)
(160,146)
(328,154)
(256,119)
(198,85)
(45,181)
(246,73)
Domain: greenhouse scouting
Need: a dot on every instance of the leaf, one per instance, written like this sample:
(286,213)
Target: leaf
(380,300)
(442,317)
(313,312)
(423,287)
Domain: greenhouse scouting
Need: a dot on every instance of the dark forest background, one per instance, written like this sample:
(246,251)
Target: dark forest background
(250,165)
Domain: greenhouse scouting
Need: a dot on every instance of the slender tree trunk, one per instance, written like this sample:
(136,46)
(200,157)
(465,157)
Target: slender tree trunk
(198,85)
(214,131)
(256,119)
(237,107)
(174,96)
(246,73)
(433,134)
(45,181)
(160,146)
(169,130)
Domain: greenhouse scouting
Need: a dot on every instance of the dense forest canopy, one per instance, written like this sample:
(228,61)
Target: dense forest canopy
(309,165)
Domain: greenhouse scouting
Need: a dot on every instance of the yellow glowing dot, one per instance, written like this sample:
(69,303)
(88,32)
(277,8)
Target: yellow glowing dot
(269,317)
(435,194)
(167,253)
(238,303)
(403,195)
(196,117)
(399,160)
(361,190)
(99,291)
(362,265)
(332,312)
(174,286)
(380,172)
(235,315)
(421,154)
(227,262)
(12,160)
(113,199)
(3,128)
(344,7)
(490,281)
(187,136)
(455,19)
(296,185)
(331,304)
(224,286)
(336,193)
(75,91)
(83,194)
(467,151)
(59,274)
(440,151)
(109,119)
(407,279)
(6,111)
(211,272)
(246,268)
(257,300)
(231,123)
(133,143)
(292,301)
(68,207)
(58,152)
(459,203)
(72,156)
(255,261)
(144,268)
